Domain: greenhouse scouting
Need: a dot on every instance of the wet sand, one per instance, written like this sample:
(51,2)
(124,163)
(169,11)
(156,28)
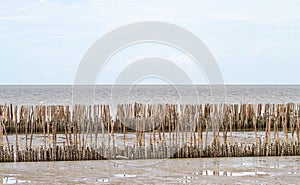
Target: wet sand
(259,170)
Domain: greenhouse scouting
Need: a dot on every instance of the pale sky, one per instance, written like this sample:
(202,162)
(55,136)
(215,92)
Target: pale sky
(254,42)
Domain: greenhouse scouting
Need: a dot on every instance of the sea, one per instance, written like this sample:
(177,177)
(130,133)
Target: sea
(184,94)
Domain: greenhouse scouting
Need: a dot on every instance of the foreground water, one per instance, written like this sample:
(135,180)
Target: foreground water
(260,170)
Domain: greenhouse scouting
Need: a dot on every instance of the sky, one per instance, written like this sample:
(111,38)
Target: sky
(253,42)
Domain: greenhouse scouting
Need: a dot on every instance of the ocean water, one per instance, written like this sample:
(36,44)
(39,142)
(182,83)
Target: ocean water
(34,95)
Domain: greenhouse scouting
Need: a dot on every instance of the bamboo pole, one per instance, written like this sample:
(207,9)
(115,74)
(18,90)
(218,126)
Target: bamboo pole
(14,110)
(231,118)
(48,126)
(95,125)
(284,124)
(297,129)
(1,132)
(1,125)
(200,119)
(32,120)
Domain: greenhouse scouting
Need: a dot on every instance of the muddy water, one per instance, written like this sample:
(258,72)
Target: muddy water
(260,170)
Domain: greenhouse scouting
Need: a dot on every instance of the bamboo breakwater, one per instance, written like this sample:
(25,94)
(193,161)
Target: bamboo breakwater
(147,131)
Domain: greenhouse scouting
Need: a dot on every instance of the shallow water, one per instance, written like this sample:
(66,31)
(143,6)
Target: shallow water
(260,170)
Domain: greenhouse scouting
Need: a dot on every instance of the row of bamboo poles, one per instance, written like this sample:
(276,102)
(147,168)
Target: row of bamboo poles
(146,131)
(243,116)
(159,152)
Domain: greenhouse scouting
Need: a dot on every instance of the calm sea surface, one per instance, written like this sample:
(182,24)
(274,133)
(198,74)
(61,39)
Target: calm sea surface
(149,94)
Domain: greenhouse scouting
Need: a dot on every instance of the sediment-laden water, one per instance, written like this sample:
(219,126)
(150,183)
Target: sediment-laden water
(258,170)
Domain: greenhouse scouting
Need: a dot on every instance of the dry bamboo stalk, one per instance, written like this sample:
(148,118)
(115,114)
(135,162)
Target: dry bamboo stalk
(169,123)
(112,130)
(75,124)
(199,121)
(187,121)
(297,129)
(124,120)
(255,129)
(133,113)
(107,121)
(142,127)
(39,125)
(87,123)
(79,126)
(248,113)
(284,124)
(6,136)
(190,124)
(225,123)
(292,122)
(102,127)
(65,121)
(20,119)
(207,119)
(90,124)
(32,119)
(174,123)
(70,124)
(82,122)
(6,118)
(54,123)
(138,127)
(48,126)
(1,127)
(231,117)
(181,124)
(1,132)
(177,122)
(194,128)
(276,122)
(267,128)
(74,127)
(14,118)
(95,126)
(27,115)
(44,108)
(153,120)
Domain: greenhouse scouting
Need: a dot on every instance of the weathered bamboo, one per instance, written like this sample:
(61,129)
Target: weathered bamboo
(284,123)
(297,129)
(15,123)
(1,133)
(1,126)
